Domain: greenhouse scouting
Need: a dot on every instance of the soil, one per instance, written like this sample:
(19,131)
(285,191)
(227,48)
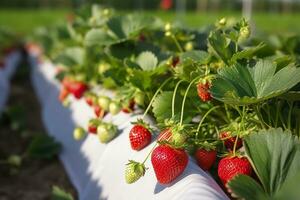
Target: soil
(34,179)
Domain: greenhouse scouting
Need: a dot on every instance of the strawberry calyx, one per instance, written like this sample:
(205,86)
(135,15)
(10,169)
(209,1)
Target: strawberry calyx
(142,122)
(134,171)
(231,154)
(208,146)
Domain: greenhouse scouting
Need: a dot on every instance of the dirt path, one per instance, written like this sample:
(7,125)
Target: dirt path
(35,178)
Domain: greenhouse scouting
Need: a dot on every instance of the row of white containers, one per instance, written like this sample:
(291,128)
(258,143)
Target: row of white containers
(97,170)
(10,64)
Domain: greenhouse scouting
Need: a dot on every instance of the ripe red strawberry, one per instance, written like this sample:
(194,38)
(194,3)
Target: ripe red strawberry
(229,140)
(92,129)
(203,93)
(139,136)
(165,135)
(97,110)
(205,158)
(77,89)
(129,108)
(89,100)
(66,82)
(231,166)
(63,94)
(168,163)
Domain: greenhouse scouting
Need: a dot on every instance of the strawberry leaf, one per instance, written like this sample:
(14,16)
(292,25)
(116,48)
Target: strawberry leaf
(43,147)
(99,37)
(59,194)
(246,85)
(221,46)
(247,53)
(162,107)
(275,154)
(147,61)
(275,157)
(197,56)
(126,27)
(247,188)
(71,56)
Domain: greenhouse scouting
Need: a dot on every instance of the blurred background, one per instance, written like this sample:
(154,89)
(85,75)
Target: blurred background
(271,16)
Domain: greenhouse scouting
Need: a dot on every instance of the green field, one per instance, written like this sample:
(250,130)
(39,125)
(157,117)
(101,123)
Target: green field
(25,21)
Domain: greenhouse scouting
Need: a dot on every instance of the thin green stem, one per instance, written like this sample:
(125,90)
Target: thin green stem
(227,112)
(156,93)
(173,98)
(177,43)
(184,98)
(149,153)
(203,118)
(153,148)
(234,146)
(277,113)
(256,108)
(291,104)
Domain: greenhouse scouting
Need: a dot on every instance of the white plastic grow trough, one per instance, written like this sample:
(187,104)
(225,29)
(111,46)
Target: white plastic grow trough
(10,65)
(97,170)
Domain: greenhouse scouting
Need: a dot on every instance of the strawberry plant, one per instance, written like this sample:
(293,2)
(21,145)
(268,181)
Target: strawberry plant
(214,93)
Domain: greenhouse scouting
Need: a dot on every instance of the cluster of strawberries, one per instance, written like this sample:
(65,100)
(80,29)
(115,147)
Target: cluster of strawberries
(169,160)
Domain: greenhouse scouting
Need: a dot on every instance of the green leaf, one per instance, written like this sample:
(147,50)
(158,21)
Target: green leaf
(99,37)
(162,107)
(221,46)
(59,194)
(141,80)
(275,155)
(43,147)
(243,85)
(147,61)
(71,56)
(247,53)
(290,189)
(247,188)
(197,56)
(125,27)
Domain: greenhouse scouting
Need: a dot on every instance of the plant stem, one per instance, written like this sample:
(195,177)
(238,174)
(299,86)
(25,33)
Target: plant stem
(256,108)
(203,118)
(149,153)
(277,112)
(177,43)
(173,98)
(156,93)
(291,104)
(152,149)
(184,98)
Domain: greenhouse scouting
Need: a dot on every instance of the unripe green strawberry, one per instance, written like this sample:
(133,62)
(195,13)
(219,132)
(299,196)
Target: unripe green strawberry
(223,21)
(78,133)
(139,98)
(114,107)
(106,132)
(245,32)
(104,102)
(178,139)
(189,46)
(134,171)
(14,160)
(103,67)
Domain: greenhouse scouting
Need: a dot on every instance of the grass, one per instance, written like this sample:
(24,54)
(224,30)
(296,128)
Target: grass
(25,21)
